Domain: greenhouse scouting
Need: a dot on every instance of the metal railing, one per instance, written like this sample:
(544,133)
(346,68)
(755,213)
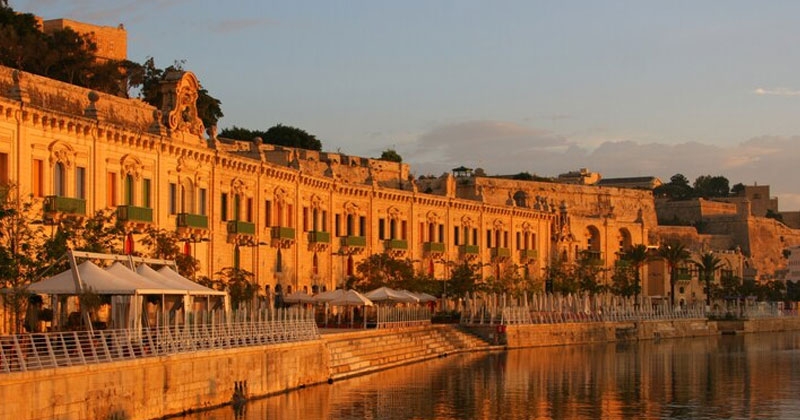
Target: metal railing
(209,331)
(393,317)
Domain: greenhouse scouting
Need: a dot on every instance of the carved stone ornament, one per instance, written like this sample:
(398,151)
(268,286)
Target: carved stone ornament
(180,92)
(61,152)
(131,165)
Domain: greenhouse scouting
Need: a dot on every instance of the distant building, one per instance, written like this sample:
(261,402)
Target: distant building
(759,198)
(640,182)
(579,177)
(112,42)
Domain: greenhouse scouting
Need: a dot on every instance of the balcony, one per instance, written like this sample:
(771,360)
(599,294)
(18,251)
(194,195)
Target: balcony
(318,237)
(501,252)
(354,241)
(194,221)
(528,254)
(282,233)
(683,274)
(396,244)
(238,227)
(134,214)
(591,257)
(433,247)
(469,249)
(58,204)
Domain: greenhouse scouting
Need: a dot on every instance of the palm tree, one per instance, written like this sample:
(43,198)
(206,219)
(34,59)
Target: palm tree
(707,265)
(675,254)
(637,256)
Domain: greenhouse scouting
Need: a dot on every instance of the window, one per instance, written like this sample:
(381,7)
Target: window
(305,219)
(519,240)
(403,230)
(173,198)
(4,168)
(289,214)
(223,207)
(249,210)
(337,224)
(129,190)
(267,213)
(488,238)
(381,228)
(111,190)
(146,193)
(456,231)
(202,201)
(324,221)
(350,225)
(237,207)
(80,182)
(37,181)
(474,236)
(441,233)
(315,220)
(362,224)
(59,181)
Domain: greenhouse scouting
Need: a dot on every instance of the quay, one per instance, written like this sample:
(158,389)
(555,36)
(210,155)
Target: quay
(174,383)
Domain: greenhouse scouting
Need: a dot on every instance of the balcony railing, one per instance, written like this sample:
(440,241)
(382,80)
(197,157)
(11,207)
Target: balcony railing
(501,253)
(469,249)
(319,237)
(683,274)
(188,220)
(354,241)
(58,204)
(238,227)
(282,232)
(134,214)
(396,244)
(528,254)
(433,247)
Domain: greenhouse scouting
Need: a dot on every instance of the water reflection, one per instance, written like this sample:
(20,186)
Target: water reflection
(754,376)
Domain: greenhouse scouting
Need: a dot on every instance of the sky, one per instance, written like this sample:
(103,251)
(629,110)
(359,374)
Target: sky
(623,88)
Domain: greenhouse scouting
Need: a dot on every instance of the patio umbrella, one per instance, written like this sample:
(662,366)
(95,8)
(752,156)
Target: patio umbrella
(387,294)
(299,297)
(350,298)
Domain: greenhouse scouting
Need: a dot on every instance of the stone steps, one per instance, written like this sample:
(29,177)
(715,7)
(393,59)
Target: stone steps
(361,352)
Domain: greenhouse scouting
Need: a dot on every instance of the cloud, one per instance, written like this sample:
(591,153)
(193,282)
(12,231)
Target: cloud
(777,92)
(507,148)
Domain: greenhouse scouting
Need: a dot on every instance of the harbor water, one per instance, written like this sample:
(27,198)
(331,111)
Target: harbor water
(733,377)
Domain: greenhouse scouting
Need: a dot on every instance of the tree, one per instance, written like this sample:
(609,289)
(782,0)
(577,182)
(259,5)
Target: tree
(708,264)
(382,269)
(240,285)
(280,135)
(463,279)
(391,155)
(637,256)
(737,189)
(623,282)
(676,189)
(165,244)
(708,186)
(675,254)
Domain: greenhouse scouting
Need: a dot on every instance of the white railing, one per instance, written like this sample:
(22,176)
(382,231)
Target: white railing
(24,352)
(389,317)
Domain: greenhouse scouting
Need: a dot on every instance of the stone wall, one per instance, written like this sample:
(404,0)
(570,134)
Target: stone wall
(156,387)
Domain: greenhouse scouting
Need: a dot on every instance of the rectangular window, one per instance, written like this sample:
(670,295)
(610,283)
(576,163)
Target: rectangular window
(4,168)
(421,232)
(223,207)
(289,216)
(202,201)
(362,224)
(146,193)
(305,219)
(488,238)
(456,231)
(519,240)
(267,213)
(350,225)
(381,229)
(111,190)
(249,210)
(403,230)
(80,182)
(37,178)
(474,236)
(129,190)
(173,198)
(337,224)
(441,233)
(505,239)
(324,221)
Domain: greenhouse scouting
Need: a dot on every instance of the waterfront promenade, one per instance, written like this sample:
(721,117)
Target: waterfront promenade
(172,382)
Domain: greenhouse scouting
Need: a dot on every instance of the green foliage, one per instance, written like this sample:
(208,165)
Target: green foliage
(166,244)
(675,254)
(624,281)
(708,186)
(382,269)
(737,189)
(677,188)
(281,135)
(240,285)
(774,215)
(708,264)
(463,279)
(391,155)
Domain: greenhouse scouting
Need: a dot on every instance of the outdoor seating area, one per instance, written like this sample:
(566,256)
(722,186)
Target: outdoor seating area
(380,308)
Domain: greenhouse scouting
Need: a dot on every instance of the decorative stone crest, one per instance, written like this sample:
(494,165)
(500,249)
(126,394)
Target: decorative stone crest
(179,105)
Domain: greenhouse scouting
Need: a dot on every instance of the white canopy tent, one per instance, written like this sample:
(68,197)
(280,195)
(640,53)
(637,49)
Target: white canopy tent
(383,294)
(126,286)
